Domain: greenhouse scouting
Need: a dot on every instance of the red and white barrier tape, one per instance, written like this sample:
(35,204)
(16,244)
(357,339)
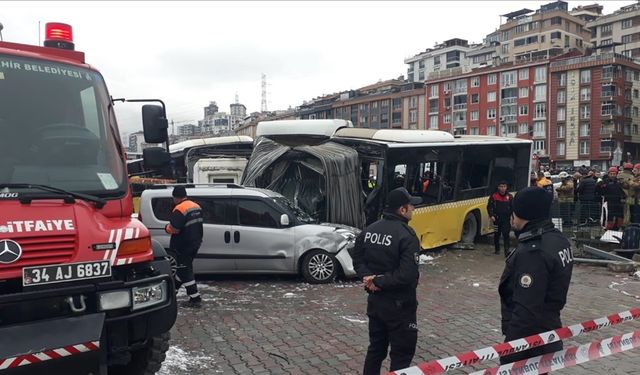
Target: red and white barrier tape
(567,358)
(28,359)
(441,366)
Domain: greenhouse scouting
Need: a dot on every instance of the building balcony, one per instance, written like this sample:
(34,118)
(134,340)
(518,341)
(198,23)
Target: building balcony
(509,118)
(607,94)
(607,130)
(506,101)
(460,107)
(459,123)
(459,90)
(539,135)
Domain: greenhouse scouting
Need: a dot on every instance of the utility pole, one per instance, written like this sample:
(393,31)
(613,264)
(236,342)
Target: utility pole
(263,106)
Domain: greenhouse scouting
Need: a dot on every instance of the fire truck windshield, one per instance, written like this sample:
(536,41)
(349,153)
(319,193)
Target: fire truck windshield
(57,129)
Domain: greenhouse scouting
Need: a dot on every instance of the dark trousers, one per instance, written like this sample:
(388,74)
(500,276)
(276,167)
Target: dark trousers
(503,228)
(540,350)
(392,323)
(184,274)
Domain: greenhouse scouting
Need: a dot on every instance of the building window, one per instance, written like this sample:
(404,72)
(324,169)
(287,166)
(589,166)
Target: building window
(627,38)
(538,129)
(555,35)
(556,20)
(508,79)
(561,96)
(524,92)
(475,115)
(561,131)
(584,147)
(421,64)
(475,81)
(636,93)
(447,118)
(538,146)
(585,112)
(560,148)
(436,60)
(562,113)
(605,146)
(421,76)
(491,96)
(635,129)
(606,30)
(447,87)
(523,74)
(541,74)
(627,23)
(541,92)
(585,129)
(491,113)
(523,110)
(540,110)
(475,98)
(585,93)
(413,116)
(635,112)
(562,79)
(505,48)
(523,128)
(474,131)
(433,122)
(491,130)
(413,102)
(397,103)
(433,105)
(492,79)
(585,76)
(434,91)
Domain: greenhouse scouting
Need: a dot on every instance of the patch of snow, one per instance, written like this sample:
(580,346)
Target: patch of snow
(353,319)
(476,285)
(178,359)
(289,295)
(427,259)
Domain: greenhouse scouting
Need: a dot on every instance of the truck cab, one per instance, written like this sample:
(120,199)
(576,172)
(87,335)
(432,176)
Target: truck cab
(78,275)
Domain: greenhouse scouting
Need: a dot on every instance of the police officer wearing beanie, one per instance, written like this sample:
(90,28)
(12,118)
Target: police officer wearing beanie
(185,227)
(385,257)
(534,285)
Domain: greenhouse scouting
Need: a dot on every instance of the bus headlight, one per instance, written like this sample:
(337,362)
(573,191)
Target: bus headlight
(149,295)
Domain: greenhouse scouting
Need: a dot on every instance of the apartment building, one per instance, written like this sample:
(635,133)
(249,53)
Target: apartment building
(550,31)
(451,54)
(618,32)
(508,100)
(594,110)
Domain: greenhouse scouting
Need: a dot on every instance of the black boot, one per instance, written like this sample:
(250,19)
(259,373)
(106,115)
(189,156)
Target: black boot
(193,303)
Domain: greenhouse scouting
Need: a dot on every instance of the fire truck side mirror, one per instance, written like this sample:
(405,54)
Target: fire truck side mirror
(155,157)
(154,123)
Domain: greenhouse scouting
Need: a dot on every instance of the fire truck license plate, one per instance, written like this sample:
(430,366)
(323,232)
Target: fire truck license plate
(61,273)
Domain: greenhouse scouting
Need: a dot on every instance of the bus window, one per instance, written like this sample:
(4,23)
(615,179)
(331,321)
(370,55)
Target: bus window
(476,173)
(399,177)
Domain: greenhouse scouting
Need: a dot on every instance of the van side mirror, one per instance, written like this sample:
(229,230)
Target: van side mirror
(155,157)
(154,123)
(284,220)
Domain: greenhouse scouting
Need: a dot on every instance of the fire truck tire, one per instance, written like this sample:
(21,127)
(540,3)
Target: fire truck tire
(146,361)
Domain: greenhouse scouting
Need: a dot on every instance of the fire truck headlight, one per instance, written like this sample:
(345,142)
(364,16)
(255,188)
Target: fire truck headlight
(149,295)
(114,300)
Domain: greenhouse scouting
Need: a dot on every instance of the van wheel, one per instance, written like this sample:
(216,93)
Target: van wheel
(469,229)
(319,267)
(173,263)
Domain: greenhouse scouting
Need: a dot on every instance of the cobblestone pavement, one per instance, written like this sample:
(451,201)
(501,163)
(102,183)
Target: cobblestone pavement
(280,325)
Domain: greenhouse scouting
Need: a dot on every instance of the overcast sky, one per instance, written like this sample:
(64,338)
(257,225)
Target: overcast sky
(190,53)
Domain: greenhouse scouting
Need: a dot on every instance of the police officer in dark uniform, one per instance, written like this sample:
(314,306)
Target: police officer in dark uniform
(185,227)
(534,284)
(385,256)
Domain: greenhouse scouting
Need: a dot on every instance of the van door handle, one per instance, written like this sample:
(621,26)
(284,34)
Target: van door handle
(227,237)
(236,236)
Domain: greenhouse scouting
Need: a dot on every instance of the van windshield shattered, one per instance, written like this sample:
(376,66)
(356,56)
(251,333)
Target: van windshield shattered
(301,215)
(55,128)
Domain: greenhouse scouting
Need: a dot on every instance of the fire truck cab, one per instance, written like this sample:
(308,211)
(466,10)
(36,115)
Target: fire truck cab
(81,282)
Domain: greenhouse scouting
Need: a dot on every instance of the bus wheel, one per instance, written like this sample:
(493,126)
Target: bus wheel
(469,229)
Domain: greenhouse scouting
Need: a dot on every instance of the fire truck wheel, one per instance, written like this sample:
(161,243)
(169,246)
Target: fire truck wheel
(146,361)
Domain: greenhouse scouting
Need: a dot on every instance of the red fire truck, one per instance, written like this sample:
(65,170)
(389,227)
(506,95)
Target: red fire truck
(82,285)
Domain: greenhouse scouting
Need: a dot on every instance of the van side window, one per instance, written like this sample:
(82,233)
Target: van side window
(162,208)
(213,210)
(255,213)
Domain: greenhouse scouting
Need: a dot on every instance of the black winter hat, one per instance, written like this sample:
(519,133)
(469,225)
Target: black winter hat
(532,203)
(179,192)
(399,197)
